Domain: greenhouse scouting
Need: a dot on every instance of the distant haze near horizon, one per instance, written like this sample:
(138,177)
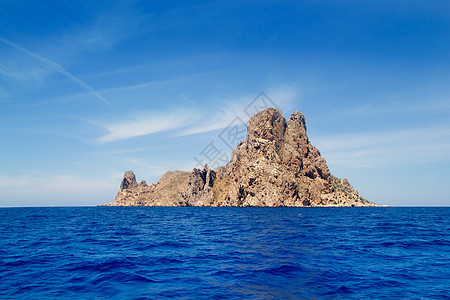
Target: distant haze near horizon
(89,90)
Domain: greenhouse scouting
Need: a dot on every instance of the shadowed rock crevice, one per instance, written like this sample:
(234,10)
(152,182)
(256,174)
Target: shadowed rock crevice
(129,181)
(198,191)
(275,166)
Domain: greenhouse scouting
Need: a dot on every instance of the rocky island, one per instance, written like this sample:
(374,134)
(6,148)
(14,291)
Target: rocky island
(275,166)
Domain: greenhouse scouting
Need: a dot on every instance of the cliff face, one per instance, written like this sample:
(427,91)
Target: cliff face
(275,166)
(167,192)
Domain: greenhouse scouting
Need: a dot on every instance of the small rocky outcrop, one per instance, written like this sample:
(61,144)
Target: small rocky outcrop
(198,191)
(275,166)
(167,192)
(129,181)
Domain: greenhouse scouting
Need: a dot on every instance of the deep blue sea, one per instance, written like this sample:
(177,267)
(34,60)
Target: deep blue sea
(222,253)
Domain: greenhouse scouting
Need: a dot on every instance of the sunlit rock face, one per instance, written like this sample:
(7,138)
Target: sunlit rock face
(275,166)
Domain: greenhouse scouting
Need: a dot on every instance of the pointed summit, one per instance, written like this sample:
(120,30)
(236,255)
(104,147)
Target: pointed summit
(268,124)
(129,180)
(275,166)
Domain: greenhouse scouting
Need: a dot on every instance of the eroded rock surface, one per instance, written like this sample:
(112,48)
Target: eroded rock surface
(167,192)
(275,166)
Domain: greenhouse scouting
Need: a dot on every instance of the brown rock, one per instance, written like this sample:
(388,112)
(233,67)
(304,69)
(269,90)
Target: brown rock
(275,166)
(198,191)
(167,192)
(129,180)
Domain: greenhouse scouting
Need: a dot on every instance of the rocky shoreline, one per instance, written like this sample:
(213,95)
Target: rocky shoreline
(276,166)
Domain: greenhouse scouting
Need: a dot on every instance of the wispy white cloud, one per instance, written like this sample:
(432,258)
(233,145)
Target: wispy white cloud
(219,119)
(188,121)
(106,30)
(172,63)
(411,106)
(286,97)
(3,95)
(55,190)
(114,72)
(234,110)
(146,123)
(59,69)
(31,76)
(386,149)
(156,82)
(125,151)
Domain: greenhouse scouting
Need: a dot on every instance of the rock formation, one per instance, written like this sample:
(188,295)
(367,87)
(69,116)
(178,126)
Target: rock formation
(275,166)
(167,192)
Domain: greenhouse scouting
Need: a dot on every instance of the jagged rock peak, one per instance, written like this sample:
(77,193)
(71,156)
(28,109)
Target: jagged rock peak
(275,166)
(268,124)
(129,180)
(143,183)
(198,191)
(298,118)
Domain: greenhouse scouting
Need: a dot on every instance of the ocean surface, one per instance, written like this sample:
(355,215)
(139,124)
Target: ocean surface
(223,253)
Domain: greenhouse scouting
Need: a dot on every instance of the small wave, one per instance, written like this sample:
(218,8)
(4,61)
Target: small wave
(168,261)
(105,266)
(38,216)
(120,277)
(172,244)
(285,270)
(343,290)
(16,263)
(413,244)
(145,247)
(223,253)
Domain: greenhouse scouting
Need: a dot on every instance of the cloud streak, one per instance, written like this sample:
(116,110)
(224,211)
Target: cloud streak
(234,109)
(56,189)
(218,120)
(59,69)
(31,76)
(145,124)
(108,28)
(400,147)
(184,122)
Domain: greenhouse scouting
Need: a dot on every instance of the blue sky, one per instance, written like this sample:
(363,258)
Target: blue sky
(91,89)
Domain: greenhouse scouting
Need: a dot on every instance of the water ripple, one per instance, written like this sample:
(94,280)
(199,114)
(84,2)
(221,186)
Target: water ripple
(222,253)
